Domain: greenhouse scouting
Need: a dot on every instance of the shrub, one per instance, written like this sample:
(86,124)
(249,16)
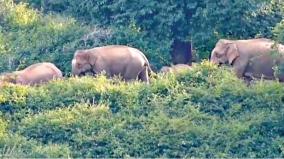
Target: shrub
(161,23)
(82,125)
(279,31)
(21,16)
(3,128)
(32,37)
(16,146)
(204,112)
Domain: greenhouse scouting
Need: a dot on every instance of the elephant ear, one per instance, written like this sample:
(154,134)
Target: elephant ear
(83,56)
(232,52)
(92,58)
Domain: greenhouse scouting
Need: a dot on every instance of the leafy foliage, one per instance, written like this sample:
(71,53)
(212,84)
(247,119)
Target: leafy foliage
(17,146)
(205,112)
(151,26)
(279,31)
(27,37)
(203,22)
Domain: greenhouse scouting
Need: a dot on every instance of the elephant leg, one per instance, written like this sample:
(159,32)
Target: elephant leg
(130,74)
(104,72)
(240,66)
(248,80)
(143,75)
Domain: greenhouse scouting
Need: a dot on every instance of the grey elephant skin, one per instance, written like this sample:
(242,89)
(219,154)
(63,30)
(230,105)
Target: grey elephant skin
(250,58)
(35,74)
(128,62)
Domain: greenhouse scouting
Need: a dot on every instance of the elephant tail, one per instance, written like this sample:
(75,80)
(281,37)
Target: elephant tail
(146,64)
(149,70)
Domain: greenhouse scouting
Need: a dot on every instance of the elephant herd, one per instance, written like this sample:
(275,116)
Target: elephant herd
(251,58)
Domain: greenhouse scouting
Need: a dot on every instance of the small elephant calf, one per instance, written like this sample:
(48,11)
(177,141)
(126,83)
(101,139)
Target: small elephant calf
(35,74)
(175,68)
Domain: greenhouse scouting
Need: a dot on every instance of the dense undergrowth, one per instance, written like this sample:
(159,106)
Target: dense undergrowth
(206,112)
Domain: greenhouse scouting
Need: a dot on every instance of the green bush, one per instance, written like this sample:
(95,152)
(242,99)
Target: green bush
(84,126)
(3,128)
(27,36)
(202,22)
(51,33)
(204,112)
(279,31)
(17,146)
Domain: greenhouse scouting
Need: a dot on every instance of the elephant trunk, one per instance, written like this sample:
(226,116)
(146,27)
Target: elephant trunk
(213,59)
(74,72)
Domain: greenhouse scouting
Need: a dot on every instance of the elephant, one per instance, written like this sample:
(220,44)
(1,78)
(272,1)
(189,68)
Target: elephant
(175,68)
(115,60)
(33,75)
(250,58)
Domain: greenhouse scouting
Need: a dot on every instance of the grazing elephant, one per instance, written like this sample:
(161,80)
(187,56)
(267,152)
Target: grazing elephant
(175,68)
(252,58)
(128,62)
(35,74)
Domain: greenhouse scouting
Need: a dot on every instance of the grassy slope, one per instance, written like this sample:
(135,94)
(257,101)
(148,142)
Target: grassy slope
(206,112)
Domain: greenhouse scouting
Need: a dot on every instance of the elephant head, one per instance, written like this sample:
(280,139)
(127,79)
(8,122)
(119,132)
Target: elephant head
(81,63)
(9,77)
(225,51)
(165,69)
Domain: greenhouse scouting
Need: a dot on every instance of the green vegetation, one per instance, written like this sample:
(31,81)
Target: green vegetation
(161,23)
(50,30)
(205,112)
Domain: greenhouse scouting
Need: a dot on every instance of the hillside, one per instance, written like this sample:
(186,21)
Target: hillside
(205,112)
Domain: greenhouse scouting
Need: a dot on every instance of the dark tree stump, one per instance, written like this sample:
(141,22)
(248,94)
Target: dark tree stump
(181,52)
